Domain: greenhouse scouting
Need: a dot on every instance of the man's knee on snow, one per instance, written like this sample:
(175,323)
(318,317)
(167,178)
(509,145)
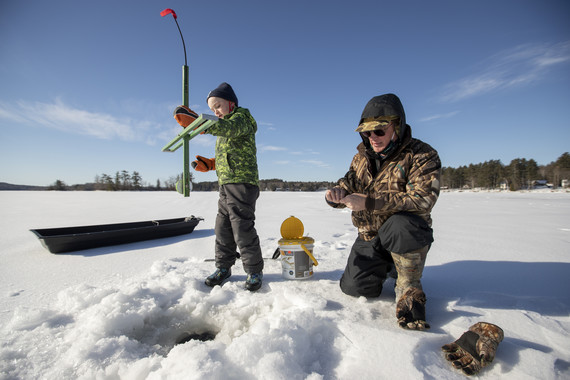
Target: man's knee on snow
(360,287)
(366,269)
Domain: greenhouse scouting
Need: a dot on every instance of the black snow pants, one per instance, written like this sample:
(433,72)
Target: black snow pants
(235,227)
(370,261)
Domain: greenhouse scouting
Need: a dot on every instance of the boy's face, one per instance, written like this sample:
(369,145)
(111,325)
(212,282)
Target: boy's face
(220,107)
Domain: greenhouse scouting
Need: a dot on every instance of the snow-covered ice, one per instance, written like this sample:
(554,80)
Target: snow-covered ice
(116,312)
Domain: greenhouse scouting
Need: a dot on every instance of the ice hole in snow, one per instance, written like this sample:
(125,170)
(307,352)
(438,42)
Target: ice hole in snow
(160,336)
(188,336)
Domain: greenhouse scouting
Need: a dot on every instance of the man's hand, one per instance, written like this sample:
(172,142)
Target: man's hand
(355,202)
(335,194)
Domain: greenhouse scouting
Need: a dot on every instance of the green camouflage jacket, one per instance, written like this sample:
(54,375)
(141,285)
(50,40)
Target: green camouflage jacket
(236,160)
(407,181)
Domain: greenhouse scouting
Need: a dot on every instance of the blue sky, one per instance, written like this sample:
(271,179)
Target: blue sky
(88,87)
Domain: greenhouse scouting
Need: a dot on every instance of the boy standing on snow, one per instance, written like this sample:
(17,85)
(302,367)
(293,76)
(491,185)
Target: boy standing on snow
(236,166)
(391,187)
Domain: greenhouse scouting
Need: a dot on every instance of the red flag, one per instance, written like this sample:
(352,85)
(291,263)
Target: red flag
(168,11)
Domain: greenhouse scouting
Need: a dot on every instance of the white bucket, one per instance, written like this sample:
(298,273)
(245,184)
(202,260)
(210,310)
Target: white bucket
(296,263)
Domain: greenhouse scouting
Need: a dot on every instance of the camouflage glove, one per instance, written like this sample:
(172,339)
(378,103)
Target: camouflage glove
(411,310)
(476,348)
(184,116)
(203,164)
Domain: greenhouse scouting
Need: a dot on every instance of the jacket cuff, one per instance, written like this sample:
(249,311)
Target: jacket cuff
(370,203)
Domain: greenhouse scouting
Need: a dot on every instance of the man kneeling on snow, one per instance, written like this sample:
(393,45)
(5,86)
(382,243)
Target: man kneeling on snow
(391,187)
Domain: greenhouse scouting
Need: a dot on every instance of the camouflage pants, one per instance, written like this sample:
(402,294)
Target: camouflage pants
(403,241)
(235,227)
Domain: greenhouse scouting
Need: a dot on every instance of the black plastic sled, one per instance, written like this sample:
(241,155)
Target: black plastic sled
(66,239)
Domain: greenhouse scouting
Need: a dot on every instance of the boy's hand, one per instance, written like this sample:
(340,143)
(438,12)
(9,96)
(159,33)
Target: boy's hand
(203,164)
(184,116)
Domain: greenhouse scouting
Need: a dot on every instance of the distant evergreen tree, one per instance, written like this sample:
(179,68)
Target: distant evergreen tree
(564,161)
(107,182)
(58,185)
(117,181)
(559,170)
(125,180)
(136,180)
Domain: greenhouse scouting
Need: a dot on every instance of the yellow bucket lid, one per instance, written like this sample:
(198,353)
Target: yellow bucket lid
(292,228)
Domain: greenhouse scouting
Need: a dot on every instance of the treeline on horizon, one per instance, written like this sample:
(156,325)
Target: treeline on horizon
(125,181)
(519,174)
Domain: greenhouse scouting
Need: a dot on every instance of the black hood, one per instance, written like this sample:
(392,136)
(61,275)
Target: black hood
(386,105)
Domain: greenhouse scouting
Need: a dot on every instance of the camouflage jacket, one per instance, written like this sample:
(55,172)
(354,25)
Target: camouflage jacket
(236,160)
(407,181)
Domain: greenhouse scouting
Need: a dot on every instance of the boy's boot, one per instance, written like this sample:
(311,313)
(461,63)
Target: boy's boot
(218,277)
(253,281)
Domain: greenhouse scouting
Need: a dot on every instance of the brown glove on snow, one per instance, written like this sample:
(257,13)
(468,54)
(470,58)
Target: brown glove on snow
(476,348)
(203,164)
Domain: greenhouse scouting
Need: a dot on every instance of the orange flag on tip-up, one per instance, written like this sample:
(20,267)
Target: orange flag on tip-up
(168,11)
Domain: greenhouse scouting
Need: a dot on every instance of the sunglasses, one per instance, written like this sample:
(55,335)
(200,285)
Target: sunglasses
(377,132)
